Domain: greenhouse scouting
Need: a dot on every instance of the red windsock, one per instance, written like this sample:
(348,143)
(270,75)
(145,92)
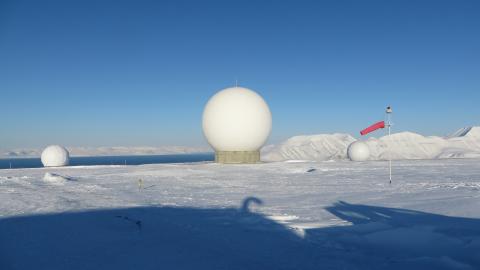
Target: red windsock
(373,127)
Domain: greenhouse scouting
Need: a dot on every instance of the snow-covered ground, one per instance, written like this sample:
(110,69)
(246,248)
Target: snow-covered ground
(280,215)
(464,143)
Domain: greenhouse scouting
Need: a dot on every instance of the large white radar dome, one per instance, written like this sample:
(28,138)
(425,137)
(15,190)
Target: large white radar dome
(237,119)
(55,156)
(358,151)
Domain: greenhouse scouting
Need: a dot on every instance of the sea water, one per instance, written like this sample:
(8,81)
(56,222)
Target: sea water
(110,160)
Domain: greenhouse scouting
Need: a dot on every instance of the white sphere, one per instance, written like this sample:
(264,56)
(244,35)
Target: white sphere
(237,119)
(55,156)
(358,151)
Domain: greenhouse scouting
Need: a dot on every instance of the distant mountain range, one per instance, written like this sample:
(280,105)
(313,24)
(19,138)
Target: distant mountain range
(464,143)
(110,151)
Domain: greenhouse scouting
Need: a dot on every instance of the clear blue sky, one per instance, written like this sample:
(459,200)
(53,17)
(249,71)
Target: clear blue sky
(90,73)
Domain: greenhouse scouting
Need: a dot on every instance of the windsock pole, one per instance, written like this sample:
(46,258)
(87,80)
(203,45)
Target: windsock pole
(389,125)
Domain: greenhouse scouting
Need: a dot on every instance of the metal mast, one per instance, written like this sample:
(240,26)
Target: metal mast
(388,113)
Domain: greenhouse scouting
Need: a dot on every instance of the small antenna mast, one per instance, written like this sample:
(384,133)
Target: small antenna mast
(388,113)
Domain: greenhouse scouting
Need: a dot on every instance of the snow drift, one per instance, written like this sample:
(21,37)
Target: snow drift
(464,143)
(57,179)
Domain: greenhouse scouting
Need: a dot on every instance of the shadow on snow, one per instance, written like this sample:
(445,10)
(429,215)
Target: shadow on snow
(230,238)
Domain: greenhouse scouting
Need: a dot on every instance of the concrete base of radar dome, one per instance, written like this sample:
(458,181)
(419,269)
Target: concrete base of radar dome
(237,157)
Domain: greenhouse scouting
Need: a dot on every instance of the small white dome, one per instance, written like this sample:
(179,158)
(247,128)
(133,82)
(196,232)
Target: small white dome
(55,156)
(237,119)
(358,151)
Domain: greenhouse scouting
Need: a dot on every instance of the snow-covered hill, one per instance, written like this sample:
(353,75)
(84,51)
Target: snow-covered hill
(314,147)
(464,143)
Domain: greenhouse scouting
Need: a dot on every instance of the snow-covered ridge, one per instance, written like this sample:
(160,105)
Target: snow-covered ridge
(314,147)
(464,143)
(109,151)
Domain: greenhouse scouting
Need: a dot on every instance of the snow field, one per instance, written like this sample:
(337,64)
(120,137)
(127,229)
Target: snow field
(280,215)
